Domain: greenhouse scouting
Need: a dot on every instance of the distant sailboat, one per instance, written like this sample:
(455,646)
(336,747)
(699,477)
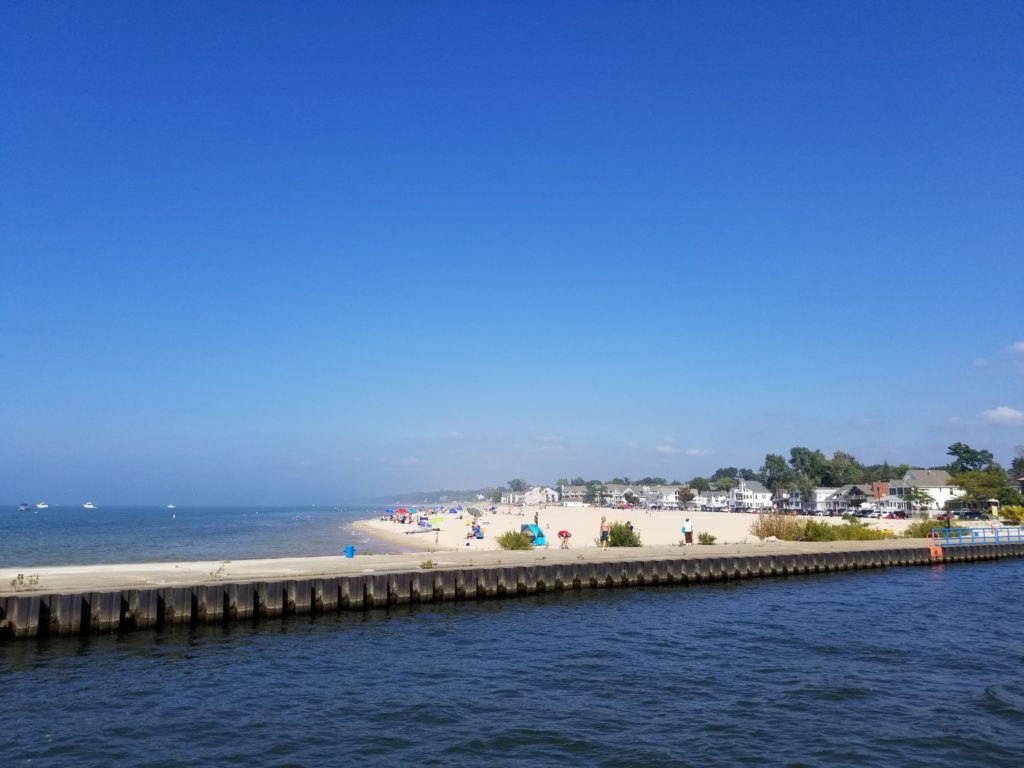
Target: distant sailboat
(23,508)
(88,505)
(171,506)
(42,505)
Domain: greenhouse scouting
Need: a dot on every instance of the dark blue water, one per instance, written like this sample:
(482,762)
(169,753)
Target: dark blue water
(902,667)
(76,536)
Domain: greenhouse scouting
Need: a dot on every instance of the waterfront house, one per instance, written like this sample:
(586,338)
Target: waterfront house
(713,499)
(750,495)
(540,495)
(664,496)
(572,495)
(937,483)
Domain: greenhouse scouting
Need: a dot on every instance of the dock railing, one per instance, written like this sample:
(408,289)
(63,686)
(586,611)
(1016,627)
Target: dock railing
(952,537)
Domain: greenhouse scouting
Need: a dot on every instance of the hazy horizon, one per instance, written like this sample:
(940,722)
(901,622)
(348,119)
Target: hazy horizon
(324,251)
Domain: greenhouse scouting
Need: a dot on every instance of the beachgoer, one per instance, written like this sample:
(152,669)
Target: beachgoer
(605,532)
(629,525)
(564,536)
(688,532)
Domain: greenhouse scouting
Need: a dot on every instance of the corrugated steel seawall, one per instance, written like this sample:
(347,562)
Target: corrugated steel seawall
(28,615)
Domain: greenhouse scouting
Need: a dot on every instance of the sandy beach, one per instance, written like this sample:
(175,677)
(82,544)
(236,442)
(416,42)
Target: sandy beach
(656,527)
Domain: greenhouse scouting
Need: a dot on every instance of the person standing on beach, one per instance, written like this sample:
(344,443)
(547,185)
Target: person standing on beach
(605,532)
(688,532)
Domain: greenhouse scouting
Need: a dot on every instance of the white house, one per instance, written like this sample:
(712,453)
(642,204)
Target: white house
(750,494)
(935,482)
(539,495)
(713,499)
(664,497)
(572,495)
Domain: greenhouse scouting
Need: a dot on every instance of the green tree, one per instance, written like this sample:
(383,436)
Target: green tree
(724,483)
(967,459)
(518,485)
(808,464)
(918,498)
(700,484)
(578,481)
(1017,463)
(842,469)
(684,495)
(982,485)
(776,473)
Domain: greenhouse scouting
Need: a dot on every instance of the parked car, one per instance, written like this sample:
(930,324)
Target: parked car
(971,516)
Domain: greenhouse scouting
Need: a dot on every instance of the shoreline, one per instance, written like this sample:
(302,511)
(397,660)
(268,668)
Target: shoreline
(655,527)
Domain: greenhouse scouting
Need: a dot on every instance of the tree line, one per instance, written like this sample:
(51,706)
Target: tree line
(975,471)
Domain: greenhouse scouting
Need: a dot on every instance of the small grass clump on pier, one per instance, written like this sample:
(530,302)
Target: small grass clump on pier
(622,535)
(706,538)
(514,540)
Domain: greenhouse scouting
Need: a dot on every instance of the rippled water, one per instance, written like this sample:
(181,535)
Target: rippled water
(75,536)
(902,667)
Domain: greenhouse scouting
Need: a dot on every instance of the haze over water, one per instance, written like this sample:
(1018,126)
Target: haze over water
(907,666)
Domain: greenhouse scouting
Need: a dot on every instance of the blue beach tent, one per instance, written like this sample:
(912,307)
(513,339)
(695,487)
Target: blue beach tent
(535,533)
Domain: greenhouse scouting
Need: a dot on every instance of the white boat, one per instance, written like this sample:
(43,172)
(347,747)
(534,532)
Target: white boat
(88,505)
(23,507)
(171,506)
(42,505)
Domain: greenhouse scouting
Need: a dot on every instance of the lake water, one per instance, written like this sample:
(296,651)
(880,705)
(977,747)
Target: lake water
(76,536)
(900,667)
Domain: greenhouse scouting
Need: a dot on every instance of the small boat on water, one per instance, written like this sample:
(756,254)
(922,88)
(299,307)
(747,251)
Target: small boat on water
(23,508)
(88,505)
(42,505)
(171,506)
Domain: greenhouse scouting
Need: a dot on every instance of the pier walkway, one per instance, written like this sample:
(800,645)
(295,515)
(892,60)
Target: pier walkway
(81,600)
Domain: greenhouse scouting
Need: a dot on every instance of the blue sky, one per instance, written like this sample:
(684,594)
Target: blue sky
(273,253)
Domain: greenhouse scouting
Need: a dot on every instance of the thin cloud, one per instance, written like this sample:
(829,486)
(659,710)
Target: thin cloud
(697,452)
(980,362)
(666,449)
(1017,348)
(1003,414)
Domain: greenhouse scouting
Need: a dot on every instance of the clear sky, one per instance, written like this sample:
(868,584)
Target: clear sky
(313,252)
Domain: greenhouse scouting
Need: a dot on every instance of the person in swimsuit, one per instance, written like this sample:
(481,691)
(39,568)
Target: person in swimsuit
(605,531)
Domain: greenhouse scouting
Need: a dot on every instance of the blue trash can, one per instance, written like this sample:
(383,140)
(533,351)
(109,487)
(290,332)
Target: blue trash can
(350,551)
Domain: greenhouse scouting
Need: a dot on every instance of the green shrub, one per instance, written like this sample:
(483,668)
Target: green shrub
(706,538)
(819,530)
(859,532)
(779,525)
(1012,515)
(514,540)
(621,536)
(920,529)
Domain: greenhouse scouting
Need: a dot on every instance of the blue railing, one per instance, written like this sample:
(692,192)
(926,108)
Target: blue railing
(951,537)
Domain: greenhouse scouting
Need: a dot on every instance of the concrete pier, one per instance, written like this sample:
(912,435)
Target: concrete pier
(83,600)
